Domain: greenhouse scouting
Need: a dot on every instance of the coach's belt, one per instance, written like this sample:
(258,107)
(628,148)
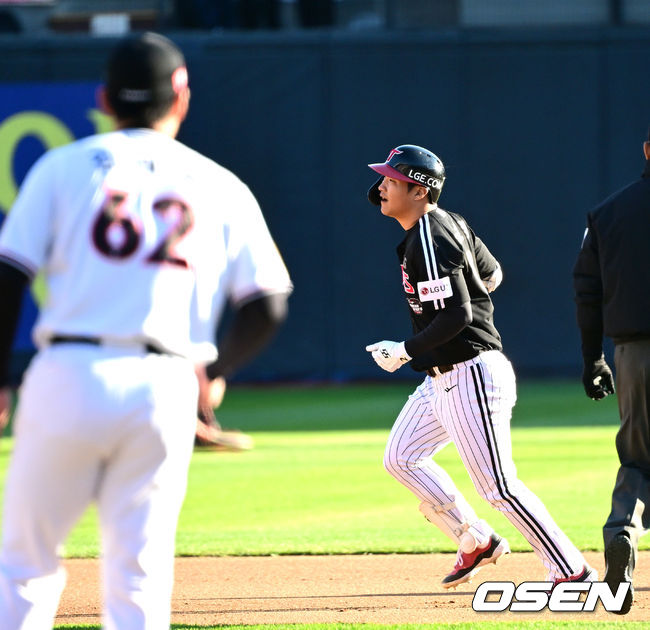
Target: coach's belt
(437,370)
(96,341)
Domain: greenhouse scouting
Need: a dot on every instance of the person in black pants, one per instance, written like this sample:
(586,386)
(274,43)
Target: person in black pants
(612,293)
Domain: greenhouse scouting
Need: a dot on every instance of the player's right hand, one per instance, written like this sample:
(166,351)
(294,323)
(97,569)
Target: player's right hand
(389,355)
(597,379)
(5,406)
(211,393)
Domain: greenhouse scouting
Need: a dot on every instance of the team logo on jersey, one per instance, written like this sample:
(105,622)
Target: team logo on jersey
(103,159)
(435,289)
(416,305)
(408,287)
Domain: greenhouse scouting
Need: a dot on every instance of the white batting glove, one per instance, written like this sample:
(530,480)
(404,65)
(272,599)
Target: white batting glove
(389,355)
(493,281)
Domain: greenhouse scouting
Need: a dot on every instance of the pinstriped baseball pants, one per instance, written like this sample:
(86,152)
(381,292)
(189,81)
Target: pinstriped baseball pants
(471,406)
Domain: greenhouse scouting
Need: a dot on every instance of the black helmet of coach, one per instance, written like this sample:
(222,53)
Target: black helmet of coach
(413,164)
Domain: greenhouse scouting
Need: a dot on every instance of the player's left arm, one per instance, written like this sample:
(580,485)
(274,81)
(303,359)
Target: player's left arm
(488,266)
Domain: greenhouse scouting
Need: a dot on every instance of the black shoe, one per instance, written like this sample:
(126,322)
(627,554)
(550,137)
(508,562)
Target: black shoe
(619,563)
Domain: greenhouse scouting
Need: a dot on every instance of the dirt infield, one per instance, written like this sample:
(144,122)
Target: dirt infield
(322,589)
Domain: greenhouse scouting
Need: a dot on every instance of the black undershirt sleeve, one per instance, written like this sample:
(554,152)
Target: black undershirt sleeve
(592,338)
(443,327)
(12,286)
(252,327)
(589,296)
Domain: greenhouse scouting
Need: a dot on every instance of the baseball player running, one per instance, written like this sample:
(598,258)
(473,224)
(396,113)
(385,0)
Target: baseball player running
(142,241)
(469,389)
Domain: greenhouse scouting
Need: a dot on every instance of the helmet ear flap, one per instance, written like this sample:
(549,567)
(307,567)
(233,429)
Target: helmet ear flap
(373,193)
(434,194)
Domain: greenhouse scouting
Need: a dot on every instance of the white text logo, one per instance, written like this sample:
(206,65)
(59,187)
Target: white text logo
(535,596)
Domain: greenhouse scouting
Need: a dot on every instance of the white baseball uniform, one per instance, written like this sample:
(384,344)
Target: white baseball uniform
(142,241)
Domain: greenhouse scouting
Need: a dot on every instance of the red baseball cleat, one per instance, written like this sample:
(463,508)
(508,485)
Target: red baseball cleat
(468,564)
(586,575)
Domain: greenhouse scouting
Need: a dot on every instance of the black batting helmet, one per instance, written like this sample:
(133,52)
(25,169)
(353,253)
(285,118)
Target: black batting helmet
(410,163)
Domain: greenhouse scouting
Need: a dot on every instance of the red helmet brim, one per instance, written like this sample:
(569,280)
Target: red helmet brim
(388,171)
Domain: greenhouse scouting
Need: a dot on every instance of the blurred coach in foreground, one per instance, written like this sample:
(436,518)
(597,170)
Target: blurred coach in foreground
(142,241)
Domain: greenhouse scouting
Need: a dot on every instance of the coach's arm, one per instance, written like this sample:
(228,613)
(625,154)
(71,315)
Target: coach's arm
(12,285)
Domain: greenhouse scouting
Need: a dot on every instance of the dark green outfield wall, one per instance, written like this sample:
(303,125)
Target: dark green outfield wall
(533,127)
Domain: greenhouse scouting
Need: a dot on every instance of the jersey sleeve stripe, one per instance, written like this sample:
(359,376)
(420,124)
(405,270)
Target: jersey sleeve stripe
(425,249)
(431,249)
(430,255)
(18,262)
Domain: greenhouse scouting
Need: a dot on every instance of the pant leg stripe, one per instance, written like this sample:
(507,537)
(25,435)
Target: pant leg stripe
(467,435)
(493,449)
(467,411)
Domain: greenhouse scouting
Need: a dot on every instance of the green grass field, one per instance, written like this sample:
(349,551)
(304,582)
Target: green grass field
(314,483)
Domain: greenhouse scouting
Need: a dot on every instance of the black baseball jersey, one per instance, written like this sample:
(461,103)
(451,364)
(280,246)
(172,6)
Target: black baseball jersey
(612,276)
(443,265)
